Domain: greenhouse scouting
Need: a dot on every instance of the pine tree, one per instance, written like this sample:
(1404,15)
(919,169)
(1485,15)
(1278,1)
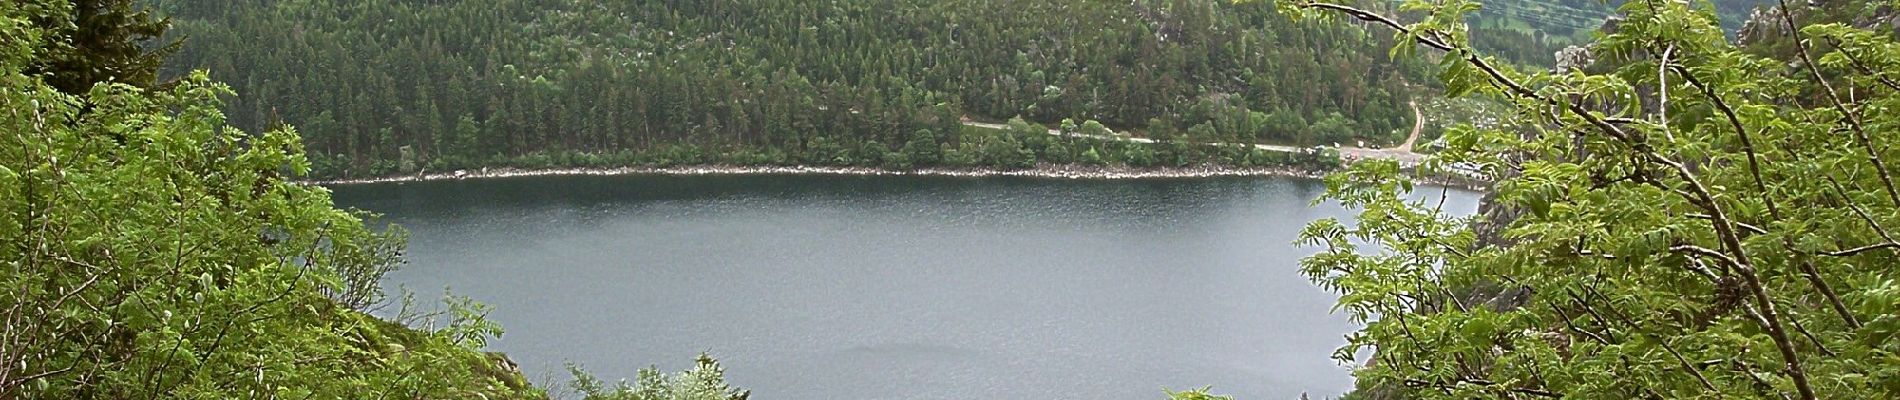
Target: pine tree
(97,41)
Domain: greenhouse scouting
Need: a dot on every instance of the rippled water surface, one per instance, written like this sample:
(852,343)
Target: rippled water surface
(838,287)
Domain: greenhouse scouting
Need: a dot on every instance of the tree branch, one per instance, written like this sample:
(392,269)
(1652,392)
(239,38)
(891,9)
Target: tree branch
(1862,249)
(1862,66)
(1703,197)
(1853,121)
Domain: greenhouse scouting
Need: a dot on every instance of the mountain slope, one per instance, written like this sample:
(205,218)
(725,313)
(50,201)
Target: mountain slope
(468,83)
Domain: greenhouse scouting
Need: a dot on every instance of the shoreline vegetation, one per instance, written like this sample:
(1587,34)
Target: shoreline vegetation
(1046,171)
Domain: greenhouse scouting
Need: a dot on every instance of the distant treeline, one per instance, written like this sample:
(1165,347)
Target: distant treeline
(379,87)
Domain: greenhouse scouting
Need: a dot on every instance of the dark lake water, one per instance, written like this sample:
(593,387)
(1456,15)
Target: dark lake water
(841,287)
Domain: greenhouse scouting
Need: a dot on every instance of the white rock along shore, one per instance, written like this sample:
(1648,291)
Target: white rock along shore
(1044,171)
(1049,171)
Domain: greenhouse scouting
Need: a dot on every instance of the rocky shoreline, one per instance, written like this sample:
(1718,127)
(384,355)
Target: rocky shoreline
(1052,171)
(1047,171)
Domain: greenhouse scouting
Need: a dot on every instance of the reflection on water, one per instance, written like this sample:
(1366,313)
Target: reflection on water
(826,287)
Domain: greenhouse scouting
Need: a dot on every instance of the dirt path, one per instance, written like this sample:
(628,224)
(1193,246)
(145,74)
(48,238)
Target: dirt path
(1418,125)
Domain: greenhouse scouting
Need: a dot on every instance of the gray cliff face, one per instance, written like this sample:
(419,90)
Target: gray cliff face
(1884,16)
(1574,58)
(1766,22)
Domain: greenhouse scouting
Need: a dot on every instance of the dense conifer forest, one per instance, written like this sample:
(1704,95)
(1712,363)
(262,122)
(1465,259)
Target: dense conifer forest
(1689,212)
(383,87)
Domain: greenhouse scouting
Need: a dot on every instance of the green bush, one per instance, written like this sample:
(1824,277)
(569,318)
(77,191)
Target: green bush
(706,381)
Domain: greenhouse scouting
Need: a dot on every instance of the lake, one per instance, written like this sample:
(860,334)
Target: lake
(890,287)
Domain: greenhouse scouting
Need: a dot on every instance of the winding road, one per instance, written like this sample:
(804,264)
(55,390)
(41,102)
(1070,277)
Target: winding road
(1403,153)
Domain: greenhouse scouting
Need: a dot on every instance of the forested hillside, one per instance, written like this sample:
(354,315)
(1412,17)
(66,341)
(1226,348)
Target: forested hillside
(152,253)
(851,82)
(1530,31)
